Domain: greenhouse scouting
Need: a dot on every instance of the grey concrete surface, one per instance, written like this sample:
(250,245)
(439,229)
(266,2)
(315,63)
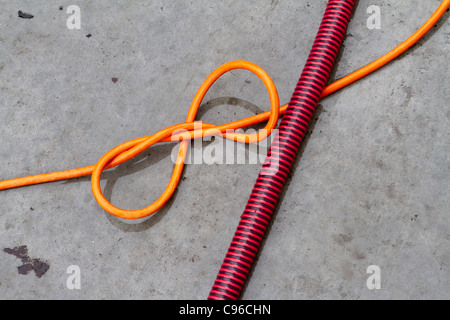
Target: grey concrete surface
(370,186)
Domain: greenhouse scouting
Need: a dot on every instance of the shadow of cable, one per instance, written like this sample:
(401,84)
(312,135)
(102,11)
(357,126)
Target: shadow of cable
(232,101)
(142,161)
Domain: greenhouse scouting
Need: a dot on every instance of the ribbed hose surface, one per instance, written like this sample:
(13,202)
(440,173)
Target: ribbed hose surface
(275,169)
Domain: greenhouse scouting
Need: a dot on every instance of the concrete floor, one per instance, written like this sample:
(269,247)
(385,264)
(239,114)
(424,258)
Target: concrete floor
(370,186)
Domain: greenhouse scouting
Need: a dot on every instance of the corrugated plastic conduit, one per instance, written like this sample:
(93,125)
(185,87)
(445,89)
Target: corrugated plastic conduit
(275,170)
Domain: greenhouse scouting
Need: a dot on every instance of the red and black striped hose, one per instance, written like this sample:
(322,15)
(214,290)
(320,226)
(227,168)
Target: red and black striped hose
(275,169)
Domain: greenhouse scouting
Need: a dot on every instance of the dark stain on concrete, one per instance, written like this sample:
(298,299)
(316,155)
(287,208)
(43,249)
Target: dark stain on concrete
(24,15)
(28,264)
(342,239)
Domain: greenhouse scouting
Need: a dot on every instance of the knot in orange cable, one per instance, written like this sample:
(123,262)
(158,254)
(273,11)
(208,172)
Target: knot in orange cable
(184,132)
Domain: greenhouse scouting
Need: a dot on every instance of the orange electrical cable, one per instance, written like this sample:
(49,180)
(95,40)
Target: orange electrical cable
(189,130)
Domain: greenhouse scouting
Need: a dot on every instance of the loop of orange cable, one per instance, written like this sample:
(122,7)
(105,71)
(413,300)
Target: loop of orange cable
(189,130)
